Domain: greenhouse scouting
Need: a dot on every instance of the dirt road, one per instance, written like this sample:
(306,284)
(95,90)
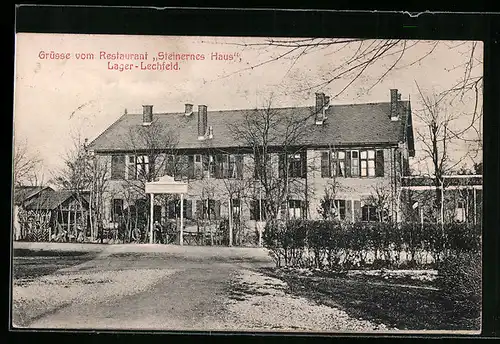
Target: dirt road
(198,288)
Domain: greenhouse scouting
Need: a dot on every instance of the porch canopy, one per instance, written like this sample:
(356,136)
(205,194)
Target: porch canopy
(166,185)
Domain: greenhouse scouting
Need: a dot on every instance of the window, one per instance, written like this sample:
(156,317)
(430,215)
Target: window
(295,209)
(174,209)
(296,165)
(198,166)
(118,167)
(232,166)
(333,163)
(460,213)
(131,168)
(208,209)
(184,167)
(339,209)
(338,160)
(236,209)
(257,210)
(117,209)
(367,159)
(369,213)
(170,165)
(142,166)
(354,163)
(260,164)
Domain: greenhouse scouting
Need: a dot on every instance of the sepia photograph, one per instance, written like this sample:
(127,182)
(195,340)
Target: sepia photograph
(247,184)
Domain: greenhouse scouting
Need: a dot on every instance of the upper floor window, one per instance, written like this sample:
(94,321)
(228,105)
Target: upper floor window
(295,163)
(131,167)
(352,163)
(142,166)
(232,166)
(263,164)
(367,159)
(117,167)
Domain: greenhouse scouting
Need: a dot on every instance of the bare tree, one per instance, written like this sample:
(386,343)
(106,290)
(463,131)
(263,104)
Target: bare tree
(381,198)
(99,175)
(152,154)
(76,176)
(25,164)
(274,138)
(371,61)
(436,139)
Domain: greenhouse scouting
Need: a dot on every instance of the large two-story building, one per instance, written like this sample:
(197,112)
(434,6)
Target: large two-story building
(359,148)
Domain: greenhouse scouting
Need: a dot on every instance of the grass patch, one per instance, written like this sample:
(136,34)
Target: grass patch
(29,264)
(382,303)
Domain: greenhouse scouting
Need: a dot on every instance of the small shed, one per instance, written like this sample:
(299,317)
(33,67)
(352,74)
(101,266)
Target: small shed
(52,212)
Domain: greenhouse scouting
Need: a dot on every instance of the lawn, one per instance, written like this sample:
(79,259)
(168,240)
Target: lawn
(29,264)
(401,303)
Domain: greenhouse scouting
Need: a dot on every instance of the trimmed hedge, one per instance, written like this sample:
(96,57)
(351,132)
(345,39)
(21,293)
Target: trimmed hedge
(459,277)
(336,245)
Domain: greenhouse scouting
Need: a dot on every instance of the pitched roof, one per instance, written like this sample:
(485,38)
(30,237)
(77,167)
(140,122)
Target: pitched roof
(351,124)
(24,193)
(50,199)
(448,180)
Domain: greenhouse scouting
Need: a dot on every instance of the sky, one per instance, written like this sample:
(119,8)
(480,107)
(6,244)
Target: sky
(56,99)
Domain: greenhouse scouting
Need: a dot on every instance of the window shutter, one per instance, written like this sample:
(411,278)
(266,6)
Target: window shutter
(190,171)
(379,163)
(218,163)
(304,209)
(281,165)
(253,206)
(357,211)
(199,209)
(348,210)
(283,210)
(347,164)
(303,164)
(217,209)
(325,165)
(256,166)
(188,206)
(239,166)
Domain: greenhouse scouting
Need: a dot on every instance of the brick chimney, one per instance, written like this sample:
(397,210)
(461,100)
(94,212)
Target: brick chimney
(202,121)
(321,103)
(188,110)
(147,114)
(395,97)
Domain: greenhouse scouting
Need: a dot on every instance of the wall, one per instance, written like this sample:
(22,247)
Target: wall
(351,189)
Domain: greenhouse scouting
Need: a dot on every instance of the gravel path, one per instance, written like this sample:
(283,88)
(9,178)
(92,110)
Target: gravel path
(157,291)
(262,303)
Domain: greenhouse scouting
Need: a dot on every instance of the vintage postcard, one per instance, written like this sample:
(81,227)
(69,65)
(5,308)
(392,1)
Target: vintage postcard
(248,184)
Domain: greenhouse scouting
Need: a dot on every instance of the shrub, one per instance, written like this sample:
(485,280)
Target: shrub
(459,278)
(366,244)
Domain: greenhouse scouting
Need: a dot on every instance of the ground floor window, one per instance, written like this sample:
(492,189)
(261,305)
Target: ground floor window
(296,209)
(369,213)
(257,210)
(339,209)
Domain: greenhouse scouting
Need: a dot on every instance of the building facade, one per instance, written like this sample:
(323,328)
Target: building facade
(235,161)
